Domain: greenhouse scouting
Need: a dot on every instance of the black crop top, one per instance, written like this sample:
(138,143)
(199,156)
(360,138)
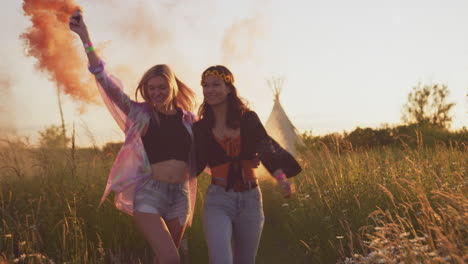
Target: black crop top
(168,140)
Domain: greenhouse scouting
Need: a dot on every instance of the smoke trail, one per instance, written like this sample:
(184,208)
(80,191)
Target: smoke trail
(7,126)
(50,41)
(145,27)
(240,39)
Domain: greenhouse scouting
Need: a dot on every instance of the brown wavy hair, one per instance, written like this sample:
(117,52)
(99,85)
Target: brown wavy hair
(236,106)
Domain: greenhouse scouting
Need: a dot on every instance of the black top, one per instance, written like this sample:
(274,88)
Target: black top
(254,139)
(168,140)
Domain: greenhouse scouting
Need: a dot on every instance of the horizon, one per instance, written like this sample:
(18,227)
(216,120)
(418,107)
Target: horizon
(344,65)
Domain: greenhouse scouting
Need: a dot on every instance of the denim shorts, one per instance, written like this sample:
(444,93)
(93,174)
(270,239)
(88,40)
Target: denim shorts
(169,200)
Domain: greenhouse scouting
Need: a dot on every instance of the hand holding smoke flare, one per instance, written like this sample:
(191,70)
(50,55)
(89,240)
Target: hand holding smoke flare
(77,24)
(50,42)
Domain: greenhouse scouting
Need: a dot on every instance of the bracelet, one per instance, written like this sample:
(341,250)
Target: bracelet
(89,47)
(281,177)
(88,44)
(97,69)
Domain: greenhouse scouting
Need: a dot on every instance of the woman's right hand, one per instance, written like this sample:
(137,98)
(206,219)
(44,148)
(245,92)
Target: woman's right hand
(78,25)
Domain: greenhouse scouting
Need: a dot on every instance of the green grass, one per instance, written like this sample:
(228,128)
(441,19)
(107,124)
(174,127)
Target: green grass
(351,207)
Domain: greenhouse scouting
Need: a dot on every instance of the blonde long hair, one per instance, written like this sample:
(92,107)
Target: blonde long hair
(180,94)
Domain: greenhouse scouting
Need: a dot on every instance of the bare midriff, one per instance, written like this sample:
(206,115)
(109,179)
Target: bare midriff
(170,171)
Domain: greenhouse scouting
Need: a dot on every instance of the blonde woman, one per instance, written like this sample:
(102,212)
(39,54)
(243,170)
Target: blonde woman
(152,176)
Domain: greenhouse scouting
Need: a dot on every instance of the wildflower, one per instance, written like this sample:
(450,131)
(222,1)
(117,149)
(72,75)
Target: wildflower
(404,234)
(447,258)
(372,255)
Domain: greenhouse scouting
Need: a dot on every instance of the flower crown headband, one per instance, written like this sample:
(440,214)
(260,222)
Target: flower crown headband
(226,78)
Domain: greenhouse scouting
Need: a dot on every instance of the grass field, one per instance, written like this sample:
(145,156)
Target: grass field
(384,205)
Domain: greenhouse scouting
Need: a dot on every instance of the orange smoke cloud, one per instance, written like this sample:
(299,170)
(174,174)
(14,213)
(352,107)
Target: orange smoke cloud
(50,41)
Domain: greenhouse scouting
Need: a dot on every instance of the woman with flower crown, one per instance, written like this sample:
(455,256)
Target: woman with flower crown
(153,174)
(230,141)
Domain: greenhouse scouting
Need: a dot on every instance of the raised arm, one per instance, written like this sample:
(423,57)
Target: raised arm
(110,85)
(78,26)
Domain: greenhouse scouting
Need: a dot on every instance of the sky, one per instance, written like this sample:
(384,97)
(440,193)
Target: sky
(344,63)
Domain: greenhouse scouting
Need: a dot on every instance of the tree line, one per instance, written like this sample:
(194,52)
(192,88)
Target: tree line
(426,120)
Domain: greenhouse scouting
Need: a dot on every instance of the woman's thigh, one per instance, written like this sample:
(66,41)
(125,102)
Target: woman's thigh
(217,224)
(247,227)
(157,234)
(176,230)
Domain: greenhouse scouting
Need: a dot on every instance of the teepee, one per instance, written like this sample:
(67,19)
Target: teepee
(278,125)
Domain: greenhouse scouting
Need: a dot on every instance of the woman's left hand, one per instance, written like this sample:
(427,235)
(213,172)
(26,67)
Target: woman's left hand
(287,188)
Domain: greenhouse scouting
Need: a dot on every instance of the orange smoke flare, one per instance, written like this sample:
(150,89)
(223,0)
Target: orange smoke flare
(50,41)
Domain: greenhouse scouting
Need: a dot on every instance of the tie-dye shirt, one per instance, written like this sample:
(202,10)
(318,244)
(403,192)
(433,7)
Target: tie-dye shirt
(131,167)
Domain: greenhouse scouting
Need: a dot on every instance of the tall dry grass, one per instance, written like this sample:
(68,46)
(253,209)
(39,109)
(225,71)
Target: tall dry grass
(375,206)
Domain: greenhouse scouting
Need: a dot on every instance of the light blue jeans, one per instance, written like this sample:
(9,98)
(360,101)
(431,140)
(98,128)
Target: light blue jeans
(169,200)
(235,217)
